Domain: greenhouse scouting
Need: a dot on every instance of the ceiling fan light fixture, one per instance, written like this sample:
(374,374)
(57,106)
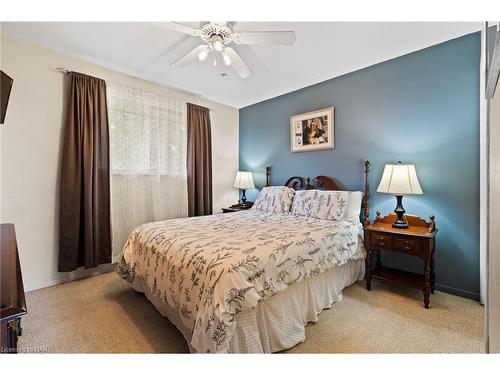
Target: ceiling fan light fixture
(226,58)
(202,56)
(217,43)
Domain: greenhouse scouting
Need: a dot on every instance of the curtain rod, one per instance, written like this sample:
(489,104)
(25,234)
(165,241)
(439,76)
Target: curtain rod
(60,69)
(64,70)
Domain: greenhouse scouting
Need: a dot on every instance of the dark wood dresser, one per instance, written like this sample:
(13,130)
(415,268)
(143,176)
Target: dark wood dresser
(13,303)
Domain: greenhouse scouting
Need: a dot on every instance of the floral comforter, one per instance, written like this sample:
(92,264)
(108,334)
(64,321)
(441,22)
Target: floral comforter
(209,268)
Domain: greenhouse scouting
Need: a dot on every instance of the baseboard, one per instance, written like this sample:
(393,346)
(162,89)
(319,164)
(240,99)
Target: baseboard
(78,274)
(458,292)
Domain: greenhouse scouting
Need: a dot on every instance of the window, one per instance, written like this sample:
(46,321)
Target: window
(148,141)
(147,132)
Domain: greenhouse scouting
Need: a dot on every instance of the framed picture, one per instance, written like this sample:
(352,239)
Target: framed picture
(312,131)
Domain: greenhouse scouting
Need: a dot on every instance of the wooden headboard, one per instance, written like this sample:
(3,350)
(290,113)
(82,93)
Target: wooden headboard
(327,183)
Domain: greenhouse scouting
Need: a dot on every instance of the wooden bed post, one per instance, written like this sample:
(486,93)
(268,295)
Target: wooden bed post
(268,173)
(366,196)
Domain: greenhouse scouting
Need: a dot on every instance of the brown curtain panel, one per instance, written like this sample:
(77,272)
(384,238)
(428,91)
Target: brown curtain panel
(84,225)
(199,161)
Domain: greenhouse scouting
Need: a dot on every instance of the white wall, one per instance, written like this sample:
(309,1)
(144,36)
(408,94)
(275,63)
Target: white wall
(31,144)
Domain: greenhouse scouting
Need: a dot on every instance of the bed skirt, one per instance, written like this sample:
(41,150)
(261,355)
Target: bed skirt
(277,323)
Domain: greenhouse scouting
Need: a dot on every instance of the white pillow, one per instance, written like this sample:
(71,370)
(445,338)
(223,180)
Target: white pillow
(320,204)
(274,199)
(353,208)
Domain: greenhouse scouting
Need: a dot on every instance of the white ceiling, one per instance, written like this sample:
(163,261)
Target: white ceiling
(323,50)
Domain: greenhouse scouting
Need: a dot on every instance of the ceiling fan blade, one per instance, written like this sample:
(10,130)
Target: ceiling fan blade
(221,23)
(180,27)
(238,64)
(190,56)
(286,38)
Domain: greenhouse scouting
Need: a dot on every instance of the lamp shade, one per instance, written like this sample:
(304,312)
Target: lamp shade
(399,179)
(244,180)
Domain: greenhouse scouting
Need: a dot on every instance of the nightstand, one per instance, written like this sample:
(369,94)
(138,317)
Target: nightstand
(416,240)
(237,208)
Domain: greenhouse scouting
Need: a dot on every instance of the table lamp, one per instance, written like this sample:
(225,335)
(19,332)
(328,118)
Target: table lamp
(243,181)
(399,179)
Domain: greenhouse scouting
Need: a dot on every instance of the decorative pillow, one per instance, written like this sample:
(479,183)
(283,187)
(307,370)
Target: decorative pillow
(320,204)
(277,199)
(353,207)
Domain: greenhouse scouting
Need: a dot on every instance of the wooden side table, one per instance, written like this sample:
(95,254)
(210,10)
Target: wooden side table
(236,207)
(418,240)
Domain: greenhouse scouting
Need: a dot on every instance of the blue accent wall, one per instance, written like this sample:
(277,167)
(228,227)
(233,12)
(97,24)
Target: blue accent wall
(421,108)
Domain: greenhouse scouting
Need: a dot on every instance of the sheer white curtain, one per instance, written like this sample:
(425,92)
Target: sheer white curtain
(148,139)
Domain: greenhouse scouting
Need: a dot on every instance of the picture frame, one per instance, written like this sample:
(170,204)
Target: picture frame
(313,131)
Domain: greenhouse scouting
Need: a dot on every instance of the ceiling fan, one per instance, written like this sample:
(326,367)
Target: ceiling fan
(217,36)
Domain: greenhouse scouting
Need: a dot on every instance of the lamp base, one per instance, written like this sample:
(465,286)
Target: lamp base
(243,203)
(400,211)
(400,224)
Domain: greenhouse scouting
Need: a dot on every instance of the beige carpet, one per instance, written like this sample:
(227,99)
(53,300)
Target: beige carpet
(102,314)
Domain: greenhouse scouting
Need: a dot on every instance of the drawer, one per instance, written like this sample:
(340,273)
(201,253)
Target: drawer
(408,245)
(381,240)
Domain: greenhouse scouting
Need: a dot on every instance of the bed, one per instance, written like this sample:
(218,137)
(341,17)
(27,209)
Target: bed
(246,282)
